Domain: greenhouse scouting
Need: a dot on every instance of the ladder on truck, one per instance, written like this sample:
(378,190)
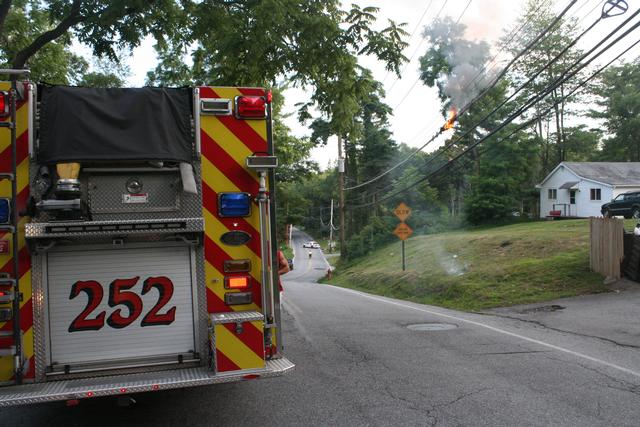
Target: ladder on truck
(10,295)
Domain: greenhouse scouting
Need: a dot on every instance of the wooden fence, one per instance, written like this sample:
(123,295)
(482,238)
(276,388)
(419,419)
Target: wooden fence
(607,246)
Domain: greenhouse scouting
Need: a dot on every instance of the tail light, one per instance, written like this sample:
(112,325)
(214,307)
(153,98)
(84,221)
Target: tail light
(237,282)
(251,107)
(4,104)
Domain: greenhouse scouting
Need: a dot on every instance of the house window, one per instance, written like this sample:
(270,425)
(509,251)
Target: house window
(596,194)
(572,197)
(552,194)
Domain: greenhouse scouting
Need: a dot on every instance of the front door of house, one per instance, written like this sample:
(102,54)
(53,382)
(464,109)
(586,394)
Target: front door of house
(572,202)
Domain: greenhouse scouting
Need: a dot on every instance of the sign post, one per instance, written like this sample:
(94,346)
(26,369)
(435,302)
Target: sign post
(403,231)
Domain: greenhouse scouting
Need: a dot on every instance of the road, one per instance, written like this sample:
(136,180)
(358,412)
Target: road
(360,361)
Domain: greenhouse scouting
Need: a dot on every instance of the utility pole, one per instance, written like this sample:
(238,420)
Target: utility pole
(331,229)
(343,249)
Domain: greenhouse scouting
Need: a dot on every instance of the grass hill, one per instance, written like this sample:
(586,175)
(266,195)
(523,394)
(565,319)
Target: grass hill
(481,268)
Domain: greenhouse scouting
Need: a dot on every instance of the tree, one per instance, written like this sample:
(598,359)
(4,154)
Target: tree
(53,63)
(538,17)
(619,91)
(504,180)
(103,25)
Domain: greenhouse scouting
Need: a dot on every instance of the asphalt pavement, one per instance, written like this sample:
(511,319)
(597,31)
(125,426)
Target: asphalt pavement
(367,360)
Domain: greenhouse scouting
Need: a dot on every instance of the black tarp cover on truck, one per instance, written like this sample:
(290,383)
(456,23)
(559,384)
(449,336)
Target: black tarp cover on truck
(104,124)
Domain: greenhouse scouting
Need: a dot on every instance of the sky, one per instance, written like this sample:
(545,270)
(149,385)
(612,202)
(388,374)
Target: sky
(416,108)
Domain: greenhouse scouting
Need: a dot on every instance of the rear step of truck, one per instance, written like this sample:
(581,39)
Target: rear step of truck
(135,383)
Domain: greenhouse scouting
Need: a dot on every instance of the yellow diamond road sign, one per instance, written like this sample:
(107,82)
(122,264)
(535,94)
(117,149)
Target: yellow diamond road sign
(402,211)
(403,231)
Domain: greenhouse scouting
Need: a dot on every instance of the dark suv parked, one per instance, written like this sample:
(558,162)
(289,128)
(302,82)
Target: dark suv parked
(627,205)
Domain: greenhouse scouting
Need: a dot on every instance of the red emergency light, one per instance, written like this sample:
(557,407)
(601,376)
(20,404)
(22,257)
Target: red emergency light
(251,107)
(237,282)
(4,104)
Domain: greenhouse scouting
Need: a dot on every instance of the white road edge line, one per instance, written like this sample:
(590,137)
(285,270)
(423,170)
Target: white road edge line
(494,329)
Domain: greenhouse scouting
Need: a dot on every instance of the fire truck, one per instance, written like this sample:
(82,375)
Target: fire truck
(137,240)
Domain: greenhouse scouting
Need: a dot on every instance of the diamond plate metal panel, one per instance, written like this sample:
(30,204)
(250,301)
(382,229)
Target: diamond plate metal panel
(237,316)
(39,313)
(201,288)
(106,191)
(135,383)
(115,227)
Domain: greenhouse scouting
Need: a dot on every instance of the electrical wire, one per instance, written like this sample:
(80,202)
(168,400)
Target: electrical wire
(510,38)
(530,80)
(466,107)
(519,112)
(561,79)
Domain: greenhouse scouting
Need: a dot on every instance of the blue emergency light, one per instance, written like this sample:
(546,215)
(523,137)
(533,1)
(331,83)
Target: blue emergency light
(5,211)
(234,204)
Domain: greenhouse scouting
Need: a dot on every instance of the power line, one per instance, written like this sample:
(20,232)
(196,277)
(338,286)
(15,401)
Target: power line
(523,109)
(466,107)
(522,86)
(561,79)
(532,78)
(521,53)
(511,36)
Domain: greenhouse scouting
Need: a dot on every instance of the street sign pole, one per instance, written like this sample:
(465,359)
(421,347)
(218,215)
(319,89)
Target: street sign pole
(403,231)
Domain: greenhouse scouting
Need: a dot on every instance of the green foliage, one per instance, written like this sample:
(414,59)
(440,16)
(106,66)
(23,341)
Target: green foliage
(311,43)
(53,63)
(619,89)
(554,145)
(293,153)
(109,25)
(503,181)
(374,234)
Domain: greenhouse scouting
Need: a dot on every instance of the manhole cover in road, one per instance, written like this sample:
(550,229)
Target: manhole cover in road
(432,326)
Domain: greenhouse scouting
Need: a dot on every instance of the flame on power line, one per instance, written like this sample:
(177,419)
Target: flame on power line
(451,120)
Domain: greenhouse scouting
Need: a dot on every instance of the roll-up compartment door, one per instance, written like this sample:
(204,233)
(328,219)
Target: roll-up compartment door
(111,304)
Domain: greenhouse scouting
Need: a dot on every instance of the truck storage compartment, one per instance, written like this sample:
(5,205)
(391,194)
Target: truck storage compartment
(130,190)
(114,305)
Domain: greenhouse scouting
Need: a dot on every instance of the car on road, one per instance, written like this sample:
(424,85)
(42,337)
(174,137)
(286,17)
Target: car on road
(626,205)
(311,244)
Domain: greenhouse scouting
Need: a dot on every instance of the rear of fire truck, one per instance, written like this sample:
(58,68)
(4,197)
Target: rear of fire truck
(137,245)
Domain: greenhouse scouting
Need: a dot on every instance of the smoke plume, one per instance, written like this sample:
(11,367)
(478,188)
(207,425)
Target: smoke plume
(456,65)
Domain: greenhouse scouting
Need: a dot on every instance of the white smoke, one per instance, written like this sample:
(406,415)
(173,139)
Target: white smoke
(466,59)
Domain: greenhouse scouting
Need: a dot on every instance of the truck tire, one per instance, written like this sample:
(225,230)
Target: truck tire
(606,213)
(635,213)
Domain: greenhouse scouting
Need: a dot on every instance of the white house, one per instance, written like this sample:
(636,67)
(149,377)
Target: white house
(578,189)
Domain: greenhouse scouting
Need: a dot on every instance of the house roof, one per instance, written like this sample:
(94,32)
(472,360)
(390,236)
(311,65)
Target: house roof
(614,173)
(610,173)
(568,185)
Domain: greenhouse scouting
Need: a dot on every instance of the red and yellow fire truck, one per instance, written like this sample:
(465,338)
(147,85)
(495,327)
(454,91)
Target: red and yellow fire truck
(137,240)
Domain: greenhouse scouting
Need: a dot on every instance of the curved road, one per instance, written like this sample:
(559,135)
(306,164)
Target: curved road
(360,361)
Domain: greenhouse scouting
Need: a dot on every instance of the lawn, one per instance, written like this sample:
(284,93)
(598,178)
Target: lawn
(482,268)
